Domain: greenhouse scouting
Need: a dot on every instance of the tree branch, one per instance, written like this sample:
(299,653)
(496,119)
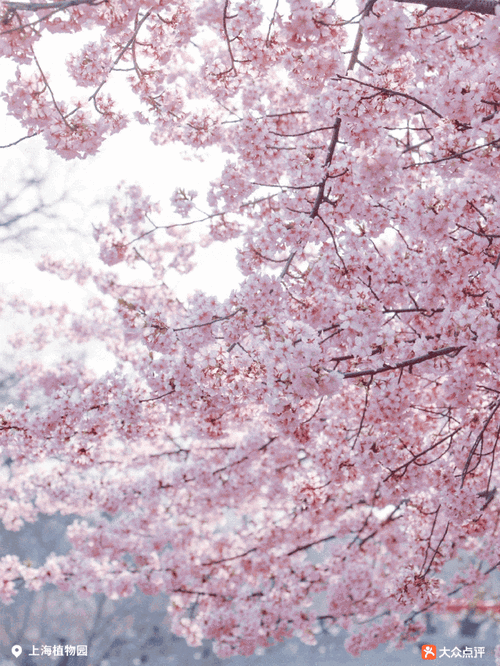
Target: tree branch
(388,91)
(320,196)
(478,6)
(37,6)
(446,351)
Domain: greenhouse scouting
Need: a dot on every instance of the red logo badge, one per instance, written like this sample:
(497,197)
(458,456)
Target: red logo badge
(429,652)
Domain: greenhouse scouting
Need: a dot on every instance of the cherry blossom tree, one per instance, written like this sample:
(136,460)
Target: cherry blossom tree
(346,395)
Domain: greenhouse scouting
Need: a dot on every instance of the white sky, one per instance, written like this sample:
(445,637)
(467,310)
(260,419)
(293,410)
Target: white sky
(128,156)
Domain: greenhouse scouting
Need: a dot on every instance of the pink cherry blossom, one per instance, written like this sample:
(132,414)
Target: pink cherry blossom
(345,396)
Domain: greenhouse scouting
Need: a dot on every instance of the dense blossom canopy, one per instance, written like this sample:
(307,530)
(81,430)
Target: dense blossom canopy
(346,395)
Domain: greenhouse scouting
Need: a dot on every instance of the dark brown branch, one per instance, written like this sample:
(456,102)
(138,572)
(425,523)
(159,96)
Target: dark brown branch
(454,155)
(365,407)
(122,52)
(271,23)
(37,6)
(416,456)
(479,440)
(312,131)
(320,197)
(208,594)
(353,60)
(228,559)
(478,6)
(206,323)
(446,351)
(312,543)
(46,83)
(14,143)
(436,550)
(158,397)
(236,462)
(225,18)
(355,50)
(388,91)
(436,513)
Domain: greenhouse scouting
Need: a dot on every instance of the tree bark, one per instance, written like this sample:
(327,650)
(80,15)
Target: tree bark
(479,6)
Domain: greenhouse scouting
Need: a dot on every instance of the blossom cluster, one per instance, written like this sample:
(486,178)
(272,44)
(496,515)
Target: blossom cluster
(346,395)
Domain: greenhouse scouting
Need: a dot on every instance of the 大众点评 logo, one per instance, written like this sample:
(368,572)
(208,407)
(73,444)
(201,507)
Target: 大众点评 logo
(431,652)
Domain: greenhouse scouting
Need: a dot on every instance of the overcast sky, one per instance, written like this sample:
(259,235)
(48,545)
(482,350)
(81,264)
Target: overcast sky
(128,156)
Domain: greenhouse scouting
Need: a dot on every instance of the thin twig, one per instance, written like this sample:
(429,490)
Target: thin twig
(389,91)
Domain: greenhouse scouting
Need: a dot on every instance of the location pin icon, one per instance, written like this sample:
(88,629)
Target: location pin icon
(16,650)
